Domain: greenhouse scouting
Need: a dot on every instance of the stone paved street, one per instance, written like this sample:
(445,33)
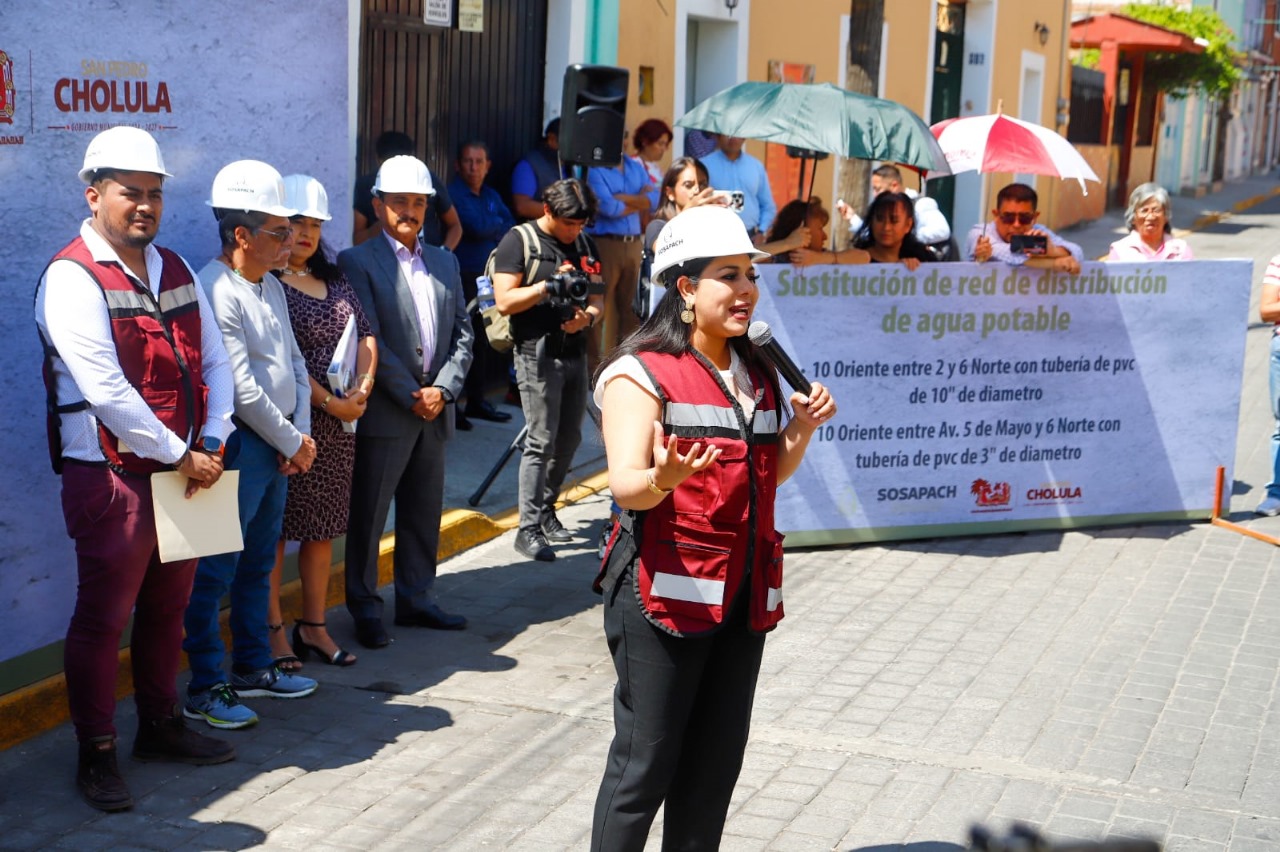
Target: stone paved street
(1101,683)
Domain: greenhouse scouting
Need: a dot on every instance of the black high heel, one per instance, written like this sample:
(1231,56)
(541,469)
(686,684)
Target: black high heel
(302,649)
(289,663)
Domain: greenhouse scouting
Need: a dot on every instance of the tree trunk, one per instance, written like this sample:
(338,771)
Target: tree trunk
(866,22)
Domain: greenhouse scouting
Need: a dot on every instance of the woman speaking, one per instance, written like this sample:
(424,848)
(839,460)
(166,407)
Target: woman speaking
(692,423)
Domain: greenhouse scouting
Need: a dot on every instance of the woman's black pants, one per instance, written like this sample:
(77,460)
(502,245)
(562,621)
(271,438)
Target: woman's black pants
(682,712)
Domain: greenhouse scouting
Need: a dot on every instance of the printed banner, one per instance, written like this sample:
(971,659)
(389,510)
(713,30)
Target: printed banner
(988,398)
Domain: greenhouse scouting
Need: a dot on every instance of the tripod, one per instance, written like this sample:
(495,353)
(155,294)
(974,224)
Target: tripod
(517,443)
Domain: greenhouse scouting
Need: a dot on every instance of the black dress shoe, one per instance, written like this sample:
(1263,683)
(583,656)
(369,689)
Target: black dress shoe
(484,410)
(431,616)
(461,422)
(371,634)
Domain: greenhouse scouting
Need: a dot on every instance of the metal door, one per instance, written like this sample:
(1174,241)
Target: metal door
(444,87)
(948,63)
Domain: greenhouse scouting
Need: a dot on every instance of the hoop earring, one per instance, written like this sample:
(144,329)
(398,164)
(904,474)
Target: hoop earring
(686,316)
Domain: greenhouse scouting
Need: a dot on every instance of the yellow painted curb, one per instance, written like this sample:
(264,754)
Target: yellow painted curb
(41,706)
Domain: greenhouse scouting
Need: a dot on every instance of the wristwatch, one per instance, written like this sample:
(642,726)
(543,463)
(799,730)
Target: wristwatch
(213,445)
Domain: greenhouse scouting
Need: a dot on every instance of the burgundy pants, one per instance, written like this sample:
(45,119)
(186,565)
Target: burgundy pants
(111,520)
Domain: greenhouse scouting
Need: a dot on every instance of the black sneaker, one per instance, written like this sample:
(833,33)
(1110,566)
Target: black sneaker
(533,544)
(553,529)
(171,740)
(98,776)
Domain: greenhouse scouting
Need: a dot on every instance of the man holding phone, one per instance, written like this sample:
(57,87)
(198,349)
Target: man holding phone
(1013,237)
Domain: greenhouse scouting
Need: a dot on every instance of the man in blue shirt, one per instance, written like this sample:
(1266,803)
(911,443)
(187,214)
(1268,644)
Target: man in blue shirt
(538,170)
(729,167)
(623,195)
(485,221)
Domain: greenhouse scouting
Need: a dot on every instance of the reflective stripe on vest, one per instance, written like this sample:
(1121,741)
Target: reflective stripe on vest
(127,303)
(775,598)
(684,416)
(679,587)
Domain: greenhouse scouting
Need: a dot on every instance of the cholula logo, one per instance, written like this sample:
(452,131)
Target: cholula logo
(7,105)
(990,496)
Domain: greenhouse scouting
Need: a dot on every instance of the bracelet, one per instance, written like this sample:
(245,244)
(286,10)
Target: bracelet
(653,486)
(324,406)
(360,378)
(182,459)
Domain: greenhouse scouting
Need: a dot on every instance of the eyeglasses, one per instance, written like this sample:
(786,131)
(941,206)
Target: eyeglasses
(278,236)
(1148,212)
(1020,218)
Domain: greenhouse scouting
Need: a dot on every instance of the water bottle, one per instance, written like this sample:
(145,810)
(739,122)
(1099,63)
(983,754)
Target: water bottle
(484,293)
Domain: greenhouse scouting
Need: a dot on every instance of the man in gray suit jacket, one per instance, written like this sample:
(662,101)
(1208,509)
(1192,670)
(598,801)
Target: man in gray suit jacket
(412,295)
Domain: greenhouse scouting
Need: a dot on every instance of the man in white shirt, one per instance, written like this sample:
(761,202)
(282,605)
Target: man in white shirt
(138,382)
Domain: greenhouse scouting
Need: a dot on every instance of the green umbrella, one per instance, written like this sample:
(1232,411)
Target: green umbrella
(821,117)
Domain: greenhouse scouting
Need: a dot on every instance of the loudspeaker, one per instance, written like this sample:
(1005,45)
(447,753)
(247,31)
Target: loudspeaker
(593,114)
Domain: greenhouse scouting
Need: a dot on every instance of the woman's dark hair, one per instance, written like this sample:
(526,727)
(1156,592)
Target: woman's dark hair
(570,199)
(911,245)
(229,220)
(667,207)
(650,131)
(795,214)
(665,333)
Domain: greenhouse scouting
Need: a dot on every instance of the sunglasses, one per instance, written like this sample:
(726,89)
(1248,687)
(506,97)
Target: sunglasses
(1020,218)
(278,236)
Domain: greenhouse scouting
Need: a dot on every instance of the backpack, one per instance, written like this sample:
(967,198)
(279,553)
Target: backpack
(497,326)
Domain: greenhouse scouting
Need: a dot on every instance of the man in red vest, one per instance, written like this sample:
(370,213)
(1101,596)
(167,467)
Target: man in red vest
(138,382)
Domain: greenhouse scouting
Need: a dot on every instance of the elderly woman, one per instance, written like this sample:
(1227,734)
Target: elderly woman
(1148,221)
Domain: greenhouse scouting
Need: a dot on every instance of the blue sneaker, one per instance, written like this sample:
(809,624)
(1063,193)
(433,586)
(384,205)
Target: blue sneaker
(1270,507)
(272,683)
(219,707)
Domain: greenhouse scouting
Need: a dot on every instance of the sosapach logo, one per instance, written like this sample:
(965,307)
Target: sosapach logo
(916,492)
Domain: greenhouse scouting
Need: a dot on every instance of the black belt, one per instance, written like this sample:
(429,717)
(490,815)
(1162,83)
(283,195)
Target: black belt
(625,238)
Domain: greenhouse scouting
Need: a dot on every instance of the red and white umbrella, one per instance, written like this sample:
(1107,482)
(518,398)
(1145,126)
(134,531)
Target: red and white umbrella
(998,143)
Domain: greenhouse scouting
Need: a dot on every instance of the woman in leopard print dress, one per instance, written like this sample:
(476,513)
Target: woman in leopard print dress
(320,302)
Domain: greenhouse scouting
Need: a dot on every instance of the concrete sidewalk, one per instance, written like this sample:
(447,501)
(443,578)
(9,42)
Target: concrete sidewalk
(1098,683)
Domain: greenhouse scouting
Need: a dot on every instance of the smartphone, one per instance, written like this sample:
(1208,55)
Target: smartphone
(1029,243)
(733,199)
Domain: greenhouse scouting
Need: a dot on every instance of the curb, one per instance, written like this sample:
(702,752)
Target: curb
(42,706)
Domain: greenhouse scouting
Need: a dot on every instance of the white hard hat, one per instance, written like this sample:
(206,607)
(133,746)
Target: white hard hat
(710,231)
(129,149)
(306,195)
(249,185)
(404,174)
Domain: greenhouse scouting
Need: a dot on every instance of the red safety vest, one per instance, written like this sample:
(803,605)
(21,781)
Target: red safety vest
(158,345)
(695,547)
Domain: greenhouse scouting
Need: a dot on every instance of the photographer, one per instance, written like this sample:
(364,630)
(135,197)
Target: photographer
(1013,237)
(547,278)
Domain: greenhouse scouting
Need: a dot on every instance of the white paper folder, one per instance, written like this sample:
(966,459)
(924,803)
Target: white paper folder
(206,524)
(342,367)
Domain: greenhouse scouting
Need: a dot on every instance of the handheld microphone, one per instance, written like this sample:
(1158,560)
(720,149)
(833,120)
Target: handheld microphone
(762,336)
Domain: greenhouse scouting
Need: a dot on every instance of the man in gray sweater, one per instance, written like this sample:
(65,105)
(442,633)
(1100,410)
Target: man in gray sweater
(272,419)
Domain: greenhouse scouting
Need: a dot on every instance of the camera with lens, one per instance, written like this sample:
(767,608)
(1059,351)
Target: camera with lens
(567,291)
